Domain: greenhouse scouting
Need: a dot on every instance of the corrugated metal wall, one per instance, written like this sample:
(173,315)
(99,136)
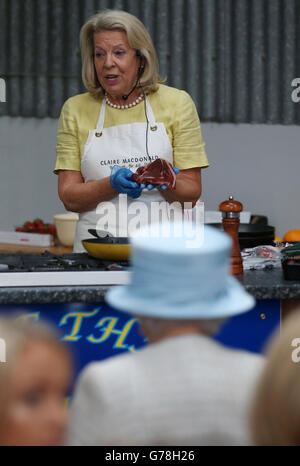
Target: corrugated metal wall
(236,58)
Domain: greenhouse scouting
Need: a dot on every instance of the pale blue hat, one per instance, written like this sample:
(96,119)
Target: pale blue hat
(174,277)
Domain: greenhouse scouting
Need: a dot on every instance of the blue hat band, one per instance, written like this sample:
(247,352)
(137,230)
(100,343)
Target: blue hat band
(162,283)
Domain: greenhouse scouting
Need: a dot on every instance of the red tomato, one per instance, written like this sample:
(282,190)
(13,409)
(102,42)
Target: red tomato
(40,226)
(51,229)
(29,227)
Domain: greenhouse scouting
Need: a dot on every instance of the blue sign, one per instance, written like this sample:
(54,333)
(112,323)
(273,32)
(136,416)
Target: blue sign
(92,331)
(96,331)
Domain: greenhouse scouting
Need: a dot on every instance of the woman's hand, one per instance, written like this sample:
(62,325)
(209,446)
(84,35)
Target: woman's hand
(163,186)
(120,181)
(188,187)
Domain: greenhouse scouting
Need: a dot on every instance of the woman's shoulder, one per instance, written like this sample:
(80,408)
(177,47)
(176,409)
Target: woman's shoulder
(77,103)
(170,94)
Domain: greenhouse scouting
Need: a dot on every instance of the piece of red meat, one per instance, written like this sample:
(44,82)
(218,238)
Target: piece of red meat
(157,173)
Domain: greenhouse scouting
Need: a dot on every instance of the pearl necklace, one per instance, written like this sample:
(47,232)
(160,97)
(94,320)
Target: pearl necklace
(122,107)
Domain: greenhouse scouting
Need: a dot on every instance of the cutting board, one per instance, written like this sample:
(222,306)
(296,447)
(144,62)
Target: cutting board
(13,248)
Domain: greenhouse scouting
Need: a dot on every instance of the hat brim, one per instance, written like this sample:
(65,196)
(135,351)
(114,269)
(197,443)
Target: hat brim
(234,301)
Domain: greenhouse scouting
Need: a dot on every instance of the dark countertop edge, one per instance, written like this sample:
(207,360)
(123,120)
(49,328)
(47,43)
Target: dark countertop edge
(92,294)
(269,284)
(260,284)
(278,293)
(52,294)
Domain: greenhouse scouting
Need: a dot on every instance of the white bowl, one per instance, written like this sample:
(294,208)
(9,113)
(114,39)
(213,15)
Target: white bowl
(65,227)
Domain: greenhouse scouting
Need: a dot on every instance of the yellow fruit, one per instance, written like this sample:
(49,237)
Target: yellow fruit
(292,235)
(278,239)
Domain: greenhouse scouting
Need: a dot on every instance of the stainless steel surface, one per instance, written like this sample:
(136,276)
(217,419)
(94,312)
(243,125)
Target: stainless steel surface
(63,278)
(48,269)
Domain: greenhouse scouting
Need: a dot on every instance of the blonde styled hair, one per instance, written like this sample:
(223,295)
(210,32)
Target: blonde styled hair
(138,38)
(275,416)
(17,333)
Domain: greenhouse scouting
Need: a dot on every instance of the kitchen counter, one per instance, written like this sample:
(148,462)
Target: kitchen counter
(87,321)
(267,284)
(6,248)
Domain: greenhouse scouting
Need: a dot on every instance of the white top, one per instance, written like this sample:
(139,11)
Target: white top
(187,390)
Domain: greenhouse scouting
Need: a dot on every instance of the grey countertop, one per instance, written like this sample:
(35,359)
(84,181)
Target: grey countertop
(267,284)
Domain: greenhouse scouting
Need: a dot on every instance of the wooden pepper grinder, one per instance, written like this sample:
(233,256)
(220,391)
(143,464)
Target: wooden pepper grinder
(231,220)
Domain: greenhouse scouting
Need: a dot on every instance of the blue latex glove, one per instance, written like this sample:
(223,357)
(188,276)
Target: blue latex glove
(120,181)
(164,186)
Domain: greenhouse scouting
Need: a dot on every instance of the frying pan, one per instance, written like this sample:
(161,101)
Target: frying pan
(251,235)
(107,247)
(248,230)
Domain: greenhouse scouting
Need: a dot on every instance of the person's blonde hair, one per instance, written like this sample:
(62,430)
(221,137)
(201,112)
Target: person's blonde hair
(138,38)
(275,414)
(16,333)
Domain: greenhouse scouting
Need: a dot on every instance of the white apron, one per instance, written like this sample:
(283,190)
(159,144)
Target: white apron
(123,145)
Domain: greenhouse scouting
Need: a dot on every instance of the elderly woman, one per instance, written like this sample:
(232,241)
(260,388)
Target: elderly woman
(125,120)
(183,388)
(35,376)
